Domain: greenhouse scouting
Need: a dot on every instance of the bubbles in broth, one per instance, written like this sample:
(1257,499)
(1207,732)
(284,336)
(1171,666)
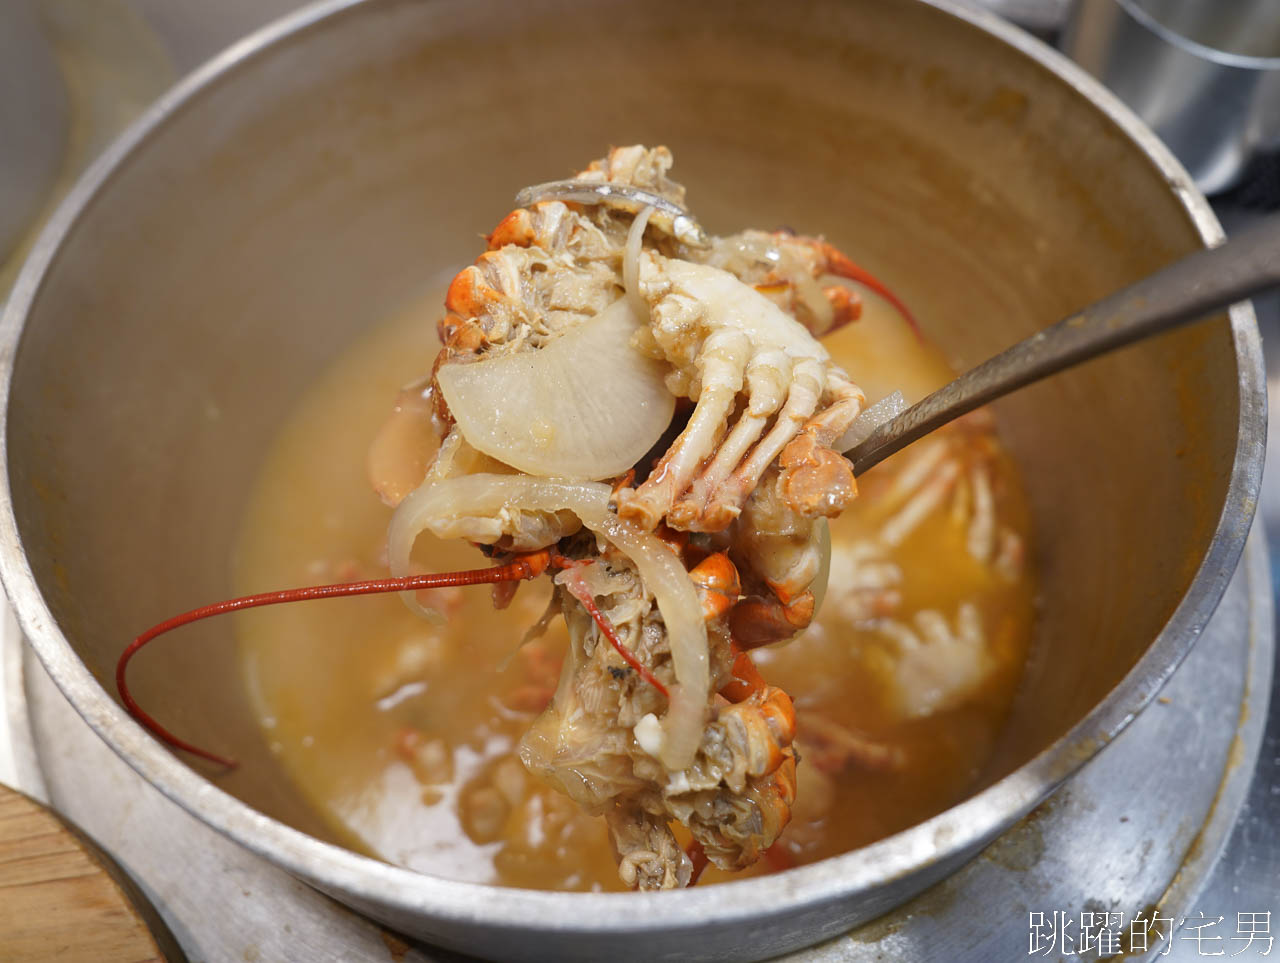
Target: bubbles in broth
(402,734)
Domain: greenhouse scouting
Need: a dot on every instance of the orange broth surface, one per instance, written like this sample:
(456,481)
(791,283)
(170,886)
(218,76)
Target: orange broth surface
(402,734)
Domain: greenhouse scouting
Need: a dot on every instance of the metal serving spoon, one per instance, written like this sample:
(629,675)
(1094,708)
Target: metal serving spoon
(1199,284)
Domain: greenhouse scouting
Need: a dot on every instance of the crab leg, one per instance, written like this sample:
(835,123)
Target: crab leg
(981,538)
(802,401)
(766,389)
(834,421)
(815,479)
(722,364)
(929,497)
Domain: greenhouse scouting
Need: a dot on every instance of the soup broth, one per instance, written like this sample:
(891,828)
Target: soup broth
(403,733)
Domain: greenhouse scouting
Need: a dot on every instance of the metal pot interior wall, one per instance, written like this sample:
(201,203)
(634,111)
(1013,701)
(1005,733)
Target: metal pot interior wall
(299,198)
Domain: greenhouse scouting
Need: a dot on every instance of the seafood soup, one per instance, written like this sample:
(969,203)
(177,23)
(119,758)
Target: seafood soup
(404,734)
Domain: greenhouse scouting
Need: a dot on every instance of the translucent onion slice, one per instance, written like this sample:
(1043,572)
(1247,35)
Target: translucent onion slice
(678,602)
(819,584)
(876,415)
(631,262)
(436,505)
(586,405)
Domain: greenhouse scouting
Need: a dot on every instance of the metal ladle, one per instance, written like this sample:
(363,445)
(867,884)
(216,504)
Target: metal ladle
(1199,284)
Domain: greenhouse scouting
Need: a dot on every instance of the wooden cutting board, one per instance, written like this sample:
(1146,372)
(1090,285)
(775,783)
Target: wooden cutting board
(62,898)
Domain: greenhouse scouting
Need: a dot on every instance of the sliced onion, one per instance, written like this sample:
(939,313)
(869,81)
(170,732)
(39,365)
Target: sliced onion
(876,415)
(437,506)
(681,612)
(819,584)
(586,405)
(631,262)
(443,507)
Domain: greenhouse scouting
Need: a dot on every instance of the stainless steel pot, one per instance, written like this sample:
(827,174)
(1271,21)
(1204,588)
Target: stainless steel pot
(1204,75)
(316,175)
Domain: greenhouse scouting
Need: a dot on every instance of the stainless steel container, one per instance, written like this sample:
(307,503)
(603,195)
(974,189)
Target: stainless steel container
(314,176)
(1205,74)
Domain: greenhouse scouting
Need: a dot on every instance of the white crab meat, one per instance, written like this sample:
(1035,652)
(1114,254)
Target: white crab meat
(954,473)
(723,340)
(937,666)
(864,583)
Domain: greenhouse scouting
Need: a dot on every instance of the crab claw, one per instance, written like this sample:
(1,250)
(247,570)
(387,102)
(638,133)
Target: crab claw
(815,480)
(759,620)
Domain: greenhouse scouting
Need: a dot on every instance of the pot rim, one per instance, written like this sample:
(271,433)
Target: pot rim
(1195,48)
(959,829)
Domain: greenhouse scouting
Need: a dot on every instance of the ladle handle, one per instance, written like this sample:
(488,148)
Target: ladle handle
(1206,281)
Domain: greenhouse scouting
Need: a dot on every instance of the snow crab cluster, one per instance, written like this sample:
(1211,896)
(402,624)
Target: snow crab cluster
(672,557)
(644,414)
(941,658)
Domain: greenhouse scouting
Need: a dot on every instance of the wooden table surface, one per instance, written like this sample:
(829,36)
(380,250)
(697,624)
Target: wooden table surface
(63,898)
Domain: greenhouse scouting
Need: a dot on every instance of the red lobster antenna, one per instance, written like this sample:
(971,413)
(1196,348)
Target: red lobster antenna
(841,266)
(522,567)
